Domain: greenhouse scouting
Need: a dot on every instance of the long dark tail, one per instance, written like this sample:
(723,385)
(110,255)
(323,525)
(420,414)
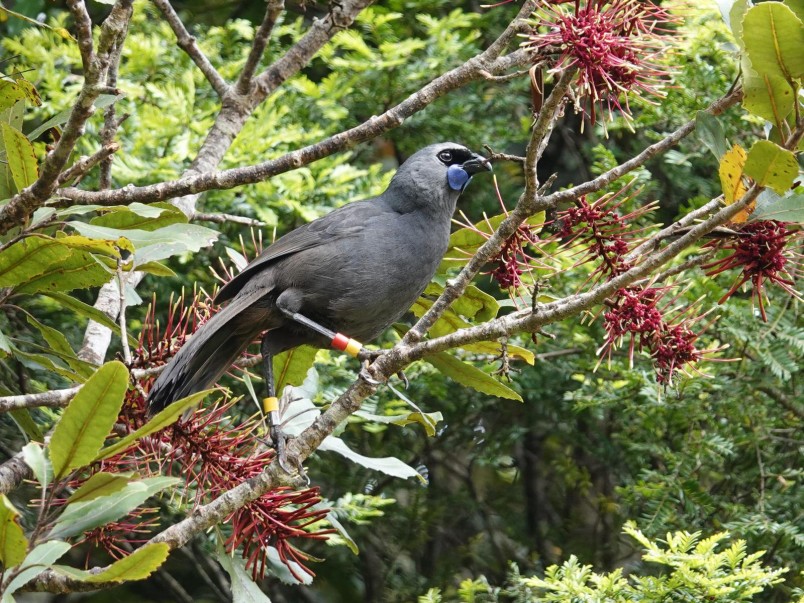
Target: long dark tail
(209,352)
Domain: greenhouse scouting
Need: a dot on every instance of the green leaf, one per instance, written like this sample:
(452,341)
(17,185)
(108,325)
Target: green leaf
(771,165)
(13,543)
(137,566)
(85,515)
(156,268)
(140,216)
(22,418)
(465,242)
(470,376)
(159,244)
(290,368)
(10,93)
(20,156)
(34,456)
(104,100)
(494,348)
(87,311)
(162,419)
(784,209)
(61,347)
(39,263)
(244,589)
(5,344)
(769,96)
(427,420)
(473,303)
(88,419)
(710,133)
(774,38)
(797,6)
(39,559)
(101,484)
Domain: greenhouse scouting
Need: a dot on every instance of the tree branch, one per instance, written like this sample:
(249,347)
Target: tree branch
(272,11)
(187,43)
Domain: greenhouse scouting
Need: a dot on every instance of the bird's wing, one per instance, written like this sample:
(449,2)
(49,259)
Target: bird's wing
(344,222)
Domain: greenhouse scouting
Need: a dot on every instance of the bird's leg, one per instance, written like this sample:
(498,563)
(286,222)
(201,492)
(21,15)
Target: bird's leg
(270,404)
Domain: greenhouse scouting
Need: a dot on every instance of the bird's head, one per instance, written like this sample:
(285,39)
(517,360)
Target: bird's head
(440,170)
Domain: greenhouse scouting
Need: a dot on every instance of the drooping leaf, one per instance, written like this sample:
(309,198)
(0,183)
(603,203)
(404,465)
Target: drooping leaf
(87,311)
(13,543)
(39,559)
(773,36)
(85,515)
(61,347)
(88,419)
(20,156)
(244,589)
(388,465)
(427,420)
(710,133)
(162,419)
(137,566)
(101,484)
(24,421)
(471,376)
(34,456)
(771,165)
(290,368)
(472,304)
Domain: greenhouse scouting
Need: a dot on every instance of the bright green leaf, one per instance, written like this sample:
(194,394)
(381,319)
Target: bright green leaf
(140,216)
(101,484)
(24,421)
(162,419)
(87,311)
(88,419)
(13,543)
(290,368)
(774,38)
(137,566)
(104,100)
(769,96)
(470,376)
(39,559)
(771,165)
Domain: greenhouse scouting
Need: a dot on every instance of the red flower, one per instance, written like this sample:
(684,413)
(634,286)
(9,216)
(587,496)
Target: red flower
(762,253)
(614,45)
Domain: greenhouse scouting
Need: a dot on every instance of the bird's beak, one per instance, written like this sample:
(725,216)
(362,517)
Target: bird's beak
(476,164)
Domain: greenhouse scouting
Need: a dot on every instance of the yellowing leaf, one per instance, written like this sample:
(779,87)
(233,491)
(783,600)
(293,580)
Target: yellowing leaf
(13,543)
(731,178)
(20,156)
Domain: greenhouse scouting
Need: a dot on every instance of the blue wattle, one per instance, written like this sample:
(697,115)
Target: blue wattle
(457,177)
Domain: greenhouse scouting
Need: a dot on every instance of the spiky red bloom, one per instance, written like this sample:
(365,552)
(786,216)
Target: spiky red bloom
(635,314)
(614,45)
(763,254)
(602,231)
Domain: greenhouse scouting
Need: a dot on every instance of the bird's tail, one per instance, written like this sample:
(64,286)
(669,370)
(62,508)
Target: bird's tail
(209,352)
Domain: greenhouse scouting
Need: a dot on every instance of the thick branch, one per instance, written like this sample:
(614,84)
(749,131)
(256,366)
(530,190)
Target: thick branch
(187,43)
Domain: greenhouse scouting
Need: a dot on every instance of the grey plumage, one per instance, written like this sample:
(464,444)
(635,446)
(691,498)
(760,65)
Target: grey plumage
(355,271)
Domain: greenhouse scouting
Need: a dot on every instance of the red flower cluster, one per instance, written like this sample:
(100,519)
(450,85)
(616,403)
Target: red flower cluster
(614,45)
(635,314)
(601,231)
(762,252)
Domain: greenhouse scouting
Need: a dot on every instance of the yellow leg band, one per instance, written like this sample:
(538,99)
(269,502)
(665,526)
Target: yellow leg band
(353,348)
(270,404)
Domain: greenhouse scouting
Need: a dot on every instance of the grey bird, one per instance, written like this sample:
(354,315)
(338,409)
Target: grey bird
(354,271)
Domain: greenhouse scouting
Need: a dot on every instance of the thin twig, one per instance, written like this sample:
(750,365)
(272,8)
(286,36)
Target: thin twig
(188,44)
(224,218)
(85,163)
(272,11)
(121,313)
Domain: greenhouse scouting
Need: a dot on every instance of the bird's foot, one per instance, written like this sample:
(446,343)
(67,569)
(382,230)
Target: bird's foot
(279,442)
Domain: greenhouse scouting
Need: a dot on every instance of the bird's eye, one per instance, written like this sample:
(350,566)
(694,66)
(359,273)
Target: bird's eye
(445,156)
